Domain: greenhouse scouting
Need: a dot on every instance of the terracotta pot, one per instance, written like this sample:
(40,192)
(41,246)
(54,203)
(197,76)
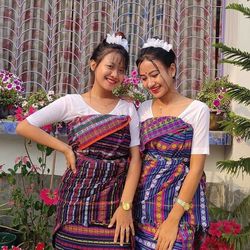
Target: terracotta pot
(214,120)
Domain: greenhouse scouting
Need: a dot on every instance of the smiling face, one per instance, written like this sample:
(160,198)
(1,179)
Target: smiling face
(156,78)
(110,71)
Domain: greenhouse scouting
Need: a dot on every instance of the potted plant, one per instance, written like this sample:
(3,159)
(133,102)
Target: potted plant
(7,239)
(11,89)
(32,205)
(214,94)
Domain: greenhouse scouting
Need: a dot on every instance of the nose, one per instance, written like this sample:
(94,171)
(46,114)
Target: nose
(114,73)
(150,83)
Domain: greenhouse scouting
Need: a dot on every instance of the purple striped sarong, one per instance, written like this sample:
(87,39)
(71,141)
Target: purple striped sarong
(166,148)
(90,197)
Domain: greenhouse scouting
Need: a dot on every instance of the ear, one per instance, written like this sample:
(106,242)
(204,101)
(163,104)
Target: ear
(172,70)
(92,65)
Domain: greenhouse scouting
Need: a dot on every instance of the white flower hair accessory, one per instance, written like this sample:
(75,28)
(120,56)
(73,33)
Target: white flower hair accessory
(157,43)
(117,39)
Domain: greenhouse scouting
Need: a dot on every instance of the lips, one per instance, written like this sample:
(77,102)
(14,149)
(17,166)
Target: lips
(155,89)
(111,81)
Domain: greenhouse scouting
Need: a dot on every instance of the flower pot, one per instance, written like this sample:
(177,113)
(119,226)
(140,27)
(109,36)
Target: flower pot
(214,120)
(5,111)
(7,239)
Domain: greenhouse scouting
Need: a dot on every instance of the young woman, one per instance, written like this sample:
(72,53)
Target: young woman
(170,202)
(102,155)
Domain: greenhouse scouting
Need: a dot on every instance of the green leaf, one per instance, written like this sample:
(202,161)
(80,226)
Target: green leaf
(235,167)
(24,170)
(234,56)
(241,8)
(12,172)
(11,180)
(237,126)
(40,160)
(51,210)
(38,205)
(49,151)
(40,147)
(238,93)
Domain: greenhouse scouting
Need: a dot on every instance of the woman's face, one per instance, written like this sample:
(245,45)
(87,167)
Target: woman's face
(110,71)
(156,78)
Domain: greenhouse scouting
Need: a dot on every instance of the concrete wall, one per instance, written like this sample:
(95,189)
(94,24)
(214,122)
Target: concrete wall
(236,35)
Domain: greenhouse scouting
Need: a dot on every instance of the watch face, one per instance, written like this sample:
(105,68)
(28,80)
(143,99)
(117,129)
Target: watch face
(126,206)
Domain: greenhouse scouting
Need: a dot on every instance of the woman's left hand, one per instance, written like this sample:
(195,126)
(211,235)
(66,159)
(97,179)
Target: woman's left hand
(124,225)
(166,235)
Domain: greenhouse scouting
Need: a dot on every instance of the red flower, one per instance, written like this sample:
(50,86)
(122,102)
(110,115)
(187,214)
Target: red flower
(49,197)
(16,248)
(40,246)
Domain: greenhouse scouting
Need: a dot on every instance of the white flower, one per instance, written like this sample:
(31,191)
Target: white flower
(157,43)
(113,39)
(51,92)
(24,103)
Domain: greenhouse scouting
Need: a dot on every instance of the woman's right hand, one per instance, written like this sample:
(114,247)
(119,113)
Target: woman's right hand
(70,159)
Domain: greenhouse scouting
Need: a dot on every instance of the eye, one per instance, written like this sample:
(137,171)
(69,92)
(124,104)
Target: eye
(154,75)
(109,66)
(121,71)
(143,78)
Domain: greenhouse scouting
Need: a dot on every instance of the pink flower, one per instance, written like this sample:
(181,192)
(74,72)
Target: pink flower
(134,73)
(40,246)
(23,159)
(135,81)
(1,167)
(49,197)
(216,102)
(18,159)
(126,80)
(9,86)
(4,248)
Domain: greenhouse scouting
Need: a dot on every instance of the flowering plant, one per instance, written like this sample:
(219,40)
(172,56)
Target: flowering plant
(34,102)
(11,89)
(32,205)
(214,94)
(217,235)
(131,89)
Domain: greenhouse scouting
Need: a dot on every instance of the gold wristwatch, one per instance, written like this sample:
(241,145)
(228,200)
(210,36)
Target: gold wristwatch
(186,206)
(126,205)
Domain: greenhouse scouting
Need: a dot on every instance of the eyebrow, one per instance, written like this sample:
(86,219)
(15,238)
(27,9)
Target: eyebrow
(150,72)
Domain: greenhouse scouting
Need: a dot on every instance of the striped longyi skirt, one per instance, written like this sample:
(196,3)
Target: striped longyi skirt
(70,237)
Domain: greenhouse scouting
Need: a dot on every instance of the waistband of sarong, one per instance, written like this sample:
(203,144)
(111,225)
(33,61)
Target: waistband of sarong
(82,157)
(150,156)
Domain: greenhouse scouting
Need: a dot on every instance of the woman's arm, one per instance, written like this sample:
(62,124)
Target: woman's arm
(133,175)
(36,134)
(123,218)
(167,232)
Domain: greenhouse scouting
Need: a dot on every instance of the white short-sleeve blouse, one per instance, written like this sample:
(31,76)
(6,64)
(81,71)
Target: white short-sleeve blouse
(196,114)
(70,106)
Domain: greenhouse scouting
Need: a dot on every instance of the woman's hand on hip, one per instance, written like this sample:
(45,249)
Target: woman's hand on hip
(166,235)
(124,225)
(70,159)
